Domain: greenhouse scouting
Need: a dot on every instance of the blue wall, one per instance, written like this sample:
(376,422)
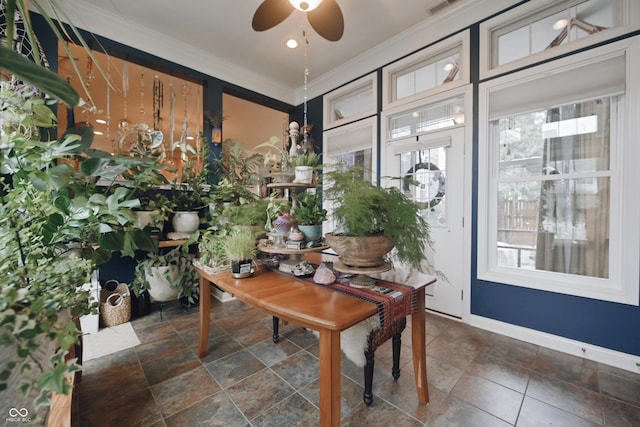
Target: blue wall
(605,324)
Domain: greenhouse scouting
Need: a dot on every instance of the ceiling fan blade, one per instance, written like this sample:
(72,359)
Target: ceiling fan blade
(327,20)
(270,13)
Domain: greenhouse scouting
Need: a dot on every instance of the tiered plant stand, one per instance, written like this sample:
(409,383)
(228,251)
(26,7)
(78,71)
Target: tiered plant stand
(361,278)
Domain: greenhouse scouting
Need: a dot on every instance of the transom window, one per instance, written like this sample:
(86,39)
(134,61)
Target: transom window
(351,102)
(436,69)
(427,118)
(541,30)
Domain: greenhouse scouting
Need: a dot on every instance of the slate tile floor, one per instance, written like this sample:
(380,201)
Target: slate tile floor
(476,378)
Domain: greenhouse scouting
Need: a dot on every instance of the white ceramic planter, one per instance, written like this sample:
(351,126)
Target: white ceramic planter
(304,174)
(185,222)
(159,288)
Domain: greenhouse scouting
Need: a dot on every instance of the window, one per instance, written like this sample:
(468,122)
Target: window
(352,144)
(540,30)
(426,118)
(436,69)
(555,167)
(352,102)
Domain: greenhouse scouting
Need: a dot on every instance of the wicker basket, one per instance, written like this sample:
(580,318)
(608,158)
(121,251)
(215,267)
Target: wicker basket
(115,306)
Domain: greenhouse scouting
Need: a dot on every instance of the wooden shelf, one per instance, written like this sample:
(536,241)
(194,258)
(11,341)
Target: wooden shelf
(292,185)
(285,251)
(171,243)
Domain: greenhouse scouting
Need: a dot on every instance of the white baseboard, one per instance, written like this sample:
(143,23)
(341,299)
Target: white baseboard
(614,358)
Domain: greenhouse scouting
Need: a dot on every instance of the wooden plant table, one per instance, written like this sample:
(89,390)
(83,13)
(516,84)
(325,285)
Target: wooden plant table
(319,308)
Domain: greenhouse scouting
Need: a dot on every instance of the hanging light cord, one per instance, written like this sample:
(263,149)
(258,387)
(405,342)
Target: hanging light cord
(305,135)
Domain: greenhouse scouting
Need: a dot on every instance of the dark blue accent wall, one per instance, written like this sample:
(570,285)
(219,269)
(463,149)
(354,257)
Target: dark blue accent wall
(605,324)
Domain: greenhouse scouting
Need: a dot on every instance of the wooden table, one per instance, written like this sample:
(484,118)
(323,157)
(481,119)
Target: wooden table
(321,309)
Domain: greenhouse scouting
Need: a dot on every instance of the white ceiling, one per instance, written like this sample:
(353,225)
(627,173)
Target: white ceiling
(215,36)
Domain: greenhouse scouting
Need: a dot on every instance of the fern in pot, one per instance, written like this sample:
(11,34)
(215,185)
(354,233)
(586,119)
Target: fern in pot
(371,221)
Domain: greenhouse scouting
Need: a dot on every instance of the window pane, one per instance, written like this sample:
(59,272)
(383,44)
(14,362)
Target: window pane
(571,138)
(553,200)
(427,75)
(355,158)
(353,103)
(432,117)
(428,169)
(553,28)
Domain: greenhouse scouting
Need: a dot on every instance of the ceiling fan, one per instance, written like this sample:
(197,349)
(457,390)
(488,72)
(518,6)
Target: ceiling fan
(324,16)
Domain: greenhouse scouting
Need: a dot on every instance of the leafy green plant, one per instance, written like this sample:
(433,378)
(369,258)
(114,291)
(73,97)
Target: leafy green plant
(55,228)
(211,247)
(235,165)
(309,210)
(187,280)
(364,209)
(189,193)
(306,159)
(252,213)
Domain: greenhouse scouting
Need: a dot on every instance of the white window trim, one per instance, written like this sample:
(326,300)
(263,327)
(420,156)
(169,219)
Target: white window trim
(623,284)
(631,22)
(461,39)
(327,100)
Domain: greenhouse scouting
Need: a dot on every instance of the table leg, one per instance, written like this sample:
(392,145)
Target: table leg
(276,329)
(418,345)
(329,378)
(205,311)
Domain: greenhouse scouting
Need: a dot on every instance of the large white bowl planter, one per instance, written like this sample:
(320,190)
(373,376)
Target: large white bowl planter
(185,222)
(160,289)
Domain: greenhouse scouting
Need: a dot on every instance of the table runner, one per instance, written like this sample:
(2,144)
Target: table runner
(390,308)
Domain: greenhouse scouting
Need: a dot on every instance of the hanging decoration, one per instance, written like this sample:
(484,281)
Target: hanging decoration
(184,146)
(158,100)
(172,118)
(306,146)
(108,112)
(124,121)
(89,79)
(142,91)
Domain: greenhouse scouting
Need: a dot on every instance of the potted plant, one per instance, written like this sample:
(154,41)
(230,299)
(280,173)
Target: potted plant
(56,227)
(167,276)
(240,248)
(277,160)
(309,216)
(304,164)
(372,220)
(188,196)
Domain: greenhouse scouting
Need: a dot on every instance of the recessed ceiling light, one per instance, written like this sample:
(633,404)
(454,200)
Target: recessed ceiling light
(101,121)
(292,43)
(560,24)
